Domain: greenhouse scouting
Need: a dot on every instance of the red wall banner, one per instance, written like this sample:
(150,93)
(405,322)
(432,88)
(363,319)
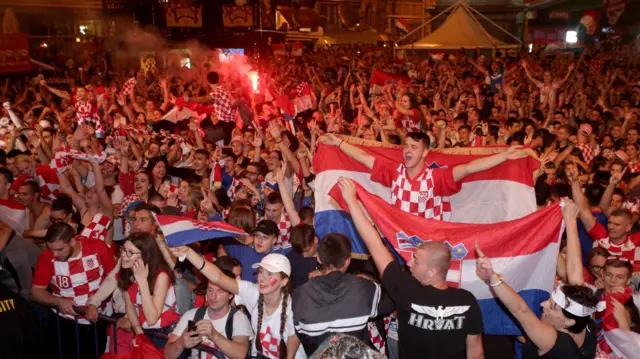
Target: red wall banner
(14,53)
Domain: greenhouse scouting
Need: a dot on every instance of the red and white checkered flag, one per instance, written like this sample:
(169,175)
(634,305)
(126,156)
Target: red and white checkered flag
(128,86)
(63,158)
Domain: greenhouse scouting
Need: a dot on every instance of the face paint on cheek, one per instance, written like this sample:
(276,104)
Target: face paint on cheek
(272,282)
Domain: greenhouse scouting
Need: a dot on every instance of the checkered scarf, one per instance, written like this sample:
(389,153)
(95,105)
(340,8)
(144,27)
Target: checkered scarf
(588,152)
(376,338)
(222,102)
(128,86)
(65,156)
(87,113)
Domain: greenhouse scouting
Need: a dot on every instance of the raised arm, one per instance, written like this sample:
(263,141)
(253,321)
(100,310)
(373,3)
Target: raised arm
(209,270)
(381,255)
(350,150)
(482,164)
(542,335)
(289,206)
(525,66)
(55,91)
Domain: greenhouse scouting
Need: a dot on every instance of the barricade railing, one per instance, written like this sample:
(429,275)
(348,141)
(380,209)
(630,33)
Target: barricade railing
(103,318)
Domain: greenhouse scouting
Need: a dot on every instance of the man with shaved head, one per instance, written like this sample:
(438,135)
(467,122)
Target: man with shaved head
(434,320)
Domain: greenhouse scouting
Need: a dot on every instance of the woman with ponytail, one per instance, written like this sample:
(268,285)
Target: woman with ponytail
(268,301)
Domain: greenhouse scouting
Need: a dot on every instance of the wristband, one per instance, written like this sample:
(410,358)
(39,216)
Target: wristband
(280,141)
(499,282)
(340,144)
(203,264)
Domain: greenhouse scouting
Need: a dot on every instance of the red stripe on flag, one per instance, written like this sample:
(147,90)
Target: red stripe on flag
(526,235)
(332,158)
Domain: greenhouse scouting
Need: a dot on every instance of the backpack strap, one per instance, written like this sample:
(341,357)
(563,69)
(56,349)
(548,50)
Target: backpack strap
(228,327)
(200,313)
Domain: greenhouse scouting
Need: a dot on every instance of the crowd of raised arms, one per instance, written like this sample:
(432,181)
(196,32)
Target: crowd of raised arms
(96,157)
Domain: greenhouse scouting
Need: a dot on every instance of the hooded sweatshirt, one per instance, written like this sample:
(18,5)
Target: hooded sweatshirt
(337,303)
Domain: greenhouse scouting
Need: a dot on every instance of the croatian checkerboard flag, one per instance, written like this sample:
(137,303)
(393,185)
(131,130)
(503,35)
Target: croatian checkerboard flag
(524,251)
(13,214)
(180,231)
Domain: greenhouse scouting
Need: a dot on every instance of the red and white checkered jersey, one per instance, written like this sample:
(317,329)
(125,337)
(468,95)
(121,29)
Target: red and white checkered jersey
(284,226)
(222,102)
(411,123)
(98,227)
(78,277)
(426,195)
(375,337)
(629,249)
(169,314)
(588,152)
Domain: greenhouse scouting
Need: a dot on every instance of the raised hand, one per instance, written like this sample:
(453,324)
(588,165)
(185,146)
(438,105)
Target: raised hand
(348,189)
(570,209)
(484,267)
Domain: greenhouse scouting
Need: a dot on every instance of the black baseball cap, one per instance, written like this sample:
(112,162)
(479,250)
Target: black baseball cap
(267,227)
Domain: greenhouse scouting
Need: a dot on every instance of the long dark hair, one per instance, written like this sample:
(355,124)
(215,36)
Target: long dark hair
(286,292)
(152,163)
(151,256)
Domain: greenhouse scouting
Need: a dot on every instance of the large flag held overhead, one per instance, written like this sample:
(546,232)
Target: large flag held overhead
(503,193)
(13,215)
(523,250)
(180,231)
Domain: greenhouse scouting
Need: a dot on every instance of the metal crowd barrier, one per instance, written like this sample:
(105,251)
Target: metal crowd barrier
(114,321)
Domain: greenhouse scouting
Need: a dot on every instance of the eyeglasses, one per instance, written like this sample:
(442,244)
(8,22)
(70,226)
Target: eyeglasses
(597,268)
(128,253)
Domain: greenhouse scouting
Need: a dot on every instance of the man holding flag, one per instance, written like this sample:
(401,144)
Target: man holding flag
(422,295)
(416,188)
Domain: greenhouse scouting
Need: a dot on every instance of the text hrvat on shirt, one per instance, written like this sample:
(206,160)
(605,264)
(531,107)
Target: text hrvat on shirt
(438,318)
(7,305)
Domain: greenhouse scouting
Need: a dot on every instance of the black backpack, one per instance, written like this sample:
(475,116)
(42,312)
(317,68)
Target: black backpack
(228,326)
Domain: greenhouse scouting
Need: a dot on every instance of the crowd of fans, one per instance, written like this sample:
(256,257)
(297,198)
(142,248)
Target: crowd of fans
(95,159)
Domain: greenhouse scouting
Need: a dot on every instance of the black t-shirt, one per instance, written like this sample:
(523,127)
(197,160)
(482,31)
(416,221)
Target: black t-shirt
(565,347)
(19,328)
(300,268)
(432,323)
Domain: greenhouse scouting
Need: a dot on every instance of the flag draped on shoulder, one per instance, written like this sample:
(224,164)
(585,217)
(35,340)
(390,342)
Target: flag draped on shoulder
(13,215)
(503,193)
(180,231)
(523,250)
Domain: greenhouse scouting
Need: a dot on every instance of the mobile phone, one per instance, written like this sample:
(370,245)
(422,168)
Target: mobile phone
(191,326)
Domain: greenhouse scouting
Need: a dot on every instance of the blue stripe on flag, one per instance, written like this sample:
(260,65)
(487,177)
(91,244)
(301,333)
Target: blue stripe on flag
(194,235)
(497,321)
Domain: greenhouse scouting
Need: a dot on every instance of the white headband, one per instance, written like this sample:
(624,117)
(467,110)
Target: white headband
(574,307)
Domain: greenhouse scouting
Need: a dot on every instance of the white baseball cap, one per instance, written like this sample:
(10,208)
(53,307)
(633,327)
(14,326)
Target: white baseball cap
(274,263)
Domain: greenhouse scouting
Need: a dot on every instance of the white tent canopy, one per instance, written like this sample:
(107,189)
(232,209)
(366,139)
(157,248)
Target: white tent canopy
(460,29)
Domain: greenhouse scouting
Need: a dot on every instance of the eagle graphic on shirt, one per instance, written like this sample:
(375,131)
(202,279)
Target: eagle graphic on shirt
(440,314)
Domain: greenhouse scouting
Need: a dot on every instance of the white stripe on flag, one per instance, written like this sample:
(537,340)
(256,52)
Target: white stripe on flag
(516,272)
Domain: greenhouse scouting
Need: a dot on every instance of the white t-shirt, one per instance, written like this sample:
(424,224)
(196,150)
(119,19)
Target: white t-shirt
(270,330)
(241,328)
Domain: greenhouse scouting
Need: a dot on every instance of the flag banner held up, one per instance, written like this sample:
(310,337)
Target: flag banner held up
(180,231)
(524,251)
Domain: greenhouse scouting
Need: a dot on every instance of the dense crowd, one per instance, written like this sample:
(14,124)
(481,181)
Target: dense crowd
(95,158)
